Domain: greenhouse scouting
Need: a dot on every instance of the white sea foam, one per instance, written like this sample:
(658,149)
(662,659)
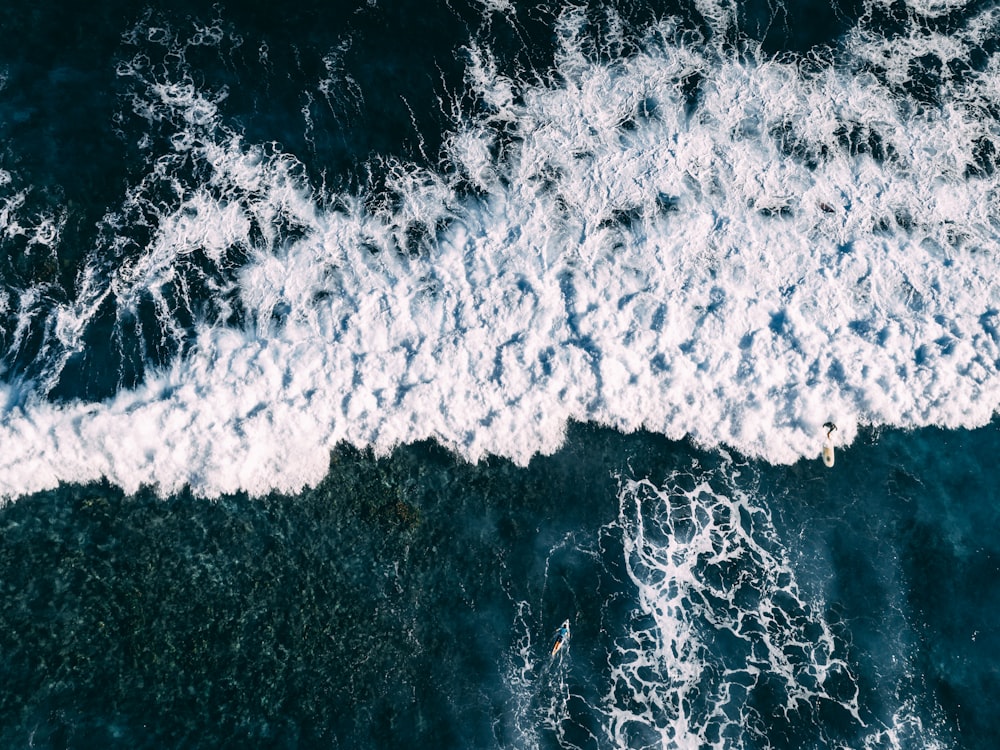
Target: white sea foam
(907,730)
(27,230)
(40,231)
(802,243)
(722,647)
(540,690)
(721,619)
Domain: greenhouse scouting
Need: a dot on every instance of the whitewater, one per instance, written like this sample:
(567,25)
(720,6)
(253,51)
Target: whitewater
(683,236)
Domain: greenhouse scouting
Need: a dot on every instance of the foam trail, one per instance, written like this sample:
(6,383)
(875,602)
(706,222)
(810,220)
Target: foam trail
(538,688)
(791,243)
(724,650)
(706,639)
(26,231)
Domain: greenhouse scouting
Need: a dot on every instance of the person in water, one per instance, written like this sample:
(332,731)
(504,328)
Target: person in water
(562,635)
(830,427)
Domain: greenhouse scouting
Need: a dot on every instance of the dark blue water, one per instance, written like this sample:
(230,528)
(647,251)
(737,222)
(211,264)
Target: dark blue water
(258,480)
(382,608)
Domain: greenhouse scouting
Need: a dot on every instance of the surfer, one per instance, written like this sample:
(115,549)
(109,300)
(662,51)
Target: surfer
(562,635)
(828,458)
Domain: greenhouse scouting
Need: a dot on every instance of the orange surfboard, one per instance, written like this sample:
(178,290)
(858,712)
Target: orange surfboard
(561,637)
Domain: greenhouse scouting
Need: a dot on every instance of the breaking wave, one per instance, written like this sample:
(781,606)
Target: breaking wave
(681,235)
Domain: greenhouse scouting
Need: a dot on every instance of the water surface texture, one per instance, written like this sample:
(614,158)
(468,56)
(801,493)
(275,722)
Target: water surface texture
(349,348)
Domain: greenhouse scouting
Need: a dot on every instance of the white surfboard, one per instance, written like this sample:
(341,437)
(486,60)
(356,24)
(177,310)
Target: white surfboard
(828,444)
(828,453)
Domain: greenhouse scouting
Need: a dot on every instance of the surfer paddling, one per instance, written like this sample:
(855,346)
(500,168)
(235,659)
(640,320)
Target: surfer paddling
(562,636)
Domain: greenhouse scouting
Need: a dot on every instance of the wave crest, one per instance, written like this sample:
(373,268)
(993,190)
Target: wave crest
(698,242)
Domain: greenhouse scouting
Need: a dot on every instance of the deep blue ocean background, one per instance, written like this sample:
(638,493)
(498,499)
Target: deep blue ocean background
(408,598)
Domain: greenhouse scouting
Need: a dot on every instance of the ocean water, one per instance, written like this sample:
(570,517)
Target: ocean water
(349,348)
